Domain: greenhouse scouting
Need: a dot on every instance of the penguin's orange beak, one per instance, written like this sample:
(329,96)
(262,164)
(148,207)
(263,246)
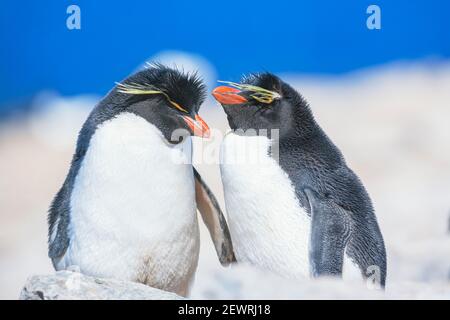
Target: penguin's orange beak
(197,126)
(227,95)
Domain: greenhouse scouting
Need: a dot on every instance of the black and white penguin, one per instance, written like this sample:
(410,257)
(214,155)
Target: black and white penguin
(293,205)
(127,208)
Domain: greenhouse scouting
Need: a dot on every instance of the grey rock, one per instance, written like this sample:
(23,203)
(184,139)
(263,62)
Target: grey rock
(68,285)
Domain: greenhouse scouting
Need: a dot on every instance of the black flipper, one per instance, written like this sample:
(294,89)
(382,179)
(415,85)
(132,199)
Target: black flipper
(59,213)
(215,221)
(59,219)
(330,231)
(366,248)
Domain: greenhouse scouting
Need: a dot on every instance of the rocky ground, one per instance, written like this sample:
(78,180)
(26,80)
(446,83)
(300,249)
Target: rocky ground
(67,285)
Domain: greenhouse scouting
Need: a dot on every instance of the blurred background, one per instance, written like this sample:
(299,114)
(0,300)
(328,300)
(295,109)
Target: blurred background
(383,96)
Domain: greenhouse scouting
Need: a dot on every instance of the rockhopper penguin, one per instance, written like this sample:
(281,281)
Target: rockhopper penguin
(127,208)
(302,214)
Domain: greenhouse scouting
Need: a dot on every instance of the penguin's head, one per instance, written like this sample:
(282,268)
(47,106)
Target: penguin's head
(167,98)
(261,101)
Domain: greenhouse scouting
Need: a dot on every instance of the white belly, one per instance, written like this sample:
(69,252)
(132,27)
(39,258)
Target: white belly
(268,226)
(133,212)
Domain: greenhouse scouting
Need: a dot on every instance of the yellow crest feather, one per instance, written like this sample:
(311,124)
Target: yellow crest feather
(260,94)
(138,88)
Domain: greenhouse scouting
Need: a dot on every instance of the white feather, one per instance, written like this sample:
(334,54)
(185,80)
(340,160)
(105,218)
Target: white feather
(268,227)
(133,212)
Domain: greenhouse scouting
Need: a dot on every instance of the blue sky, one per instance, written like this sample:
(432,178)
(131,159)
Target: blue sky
(38,52)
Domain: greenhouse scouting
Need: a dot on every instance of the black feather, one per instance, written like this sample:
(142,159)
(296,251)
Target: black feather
(264,80)
(184,88)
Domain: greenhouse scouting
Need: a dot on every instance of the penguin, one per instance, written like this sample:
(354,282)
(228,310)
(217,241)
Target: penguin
(294,207)
(127,208)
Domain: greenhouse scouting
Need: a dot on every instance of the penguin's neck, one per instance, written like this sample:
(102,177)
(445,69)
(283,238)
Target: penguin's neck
(128,176)
(303,125)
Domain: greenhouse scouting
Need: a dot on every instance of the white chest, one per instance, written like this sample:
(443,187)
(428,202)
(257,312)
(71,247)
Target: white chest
(268,226)
(133,212)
